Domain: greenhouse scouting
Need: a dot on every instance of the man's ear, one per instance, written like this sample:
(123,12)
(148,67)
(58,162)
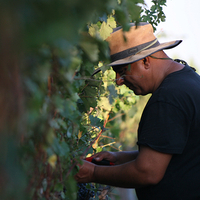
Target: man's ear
(146,62)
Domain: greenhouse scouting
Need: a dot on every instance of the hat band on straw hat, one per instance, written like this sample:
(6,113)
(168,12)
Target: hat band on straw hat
(134,50)
(127,47)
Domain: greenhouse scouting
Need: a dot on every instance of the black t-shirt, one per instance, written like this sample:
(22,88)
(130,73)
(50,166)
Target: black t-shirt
(170,123)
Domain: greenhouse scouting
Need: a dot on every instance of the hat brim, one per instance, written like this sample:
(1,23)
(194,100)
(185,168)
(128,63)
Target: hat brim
(141,55)
(145,53)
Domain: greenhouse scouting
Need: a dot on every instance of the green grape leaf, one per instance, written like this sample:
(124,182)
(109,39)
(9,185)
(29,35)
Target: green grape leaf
(54,124)
(111,22)
(133,10)
(88,97)
(98,149)
(95,121)
(60,148)
(105,30)
(104,68)
(93,29)
(93,83)
(113,93)
(91,49)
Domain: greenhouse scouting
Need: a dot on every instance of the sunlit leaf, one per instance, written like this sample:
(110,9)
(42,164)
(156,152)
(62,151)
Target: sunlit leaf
(105,30)
(52,160)
(79,134)
(93,30)
(111,22)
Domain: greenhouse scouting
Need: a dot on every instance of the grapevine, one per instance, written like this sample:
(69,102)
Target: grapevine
(54,111)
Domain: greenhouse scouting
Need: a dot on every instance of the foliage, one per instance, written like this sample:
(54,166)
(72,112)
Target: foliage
(53,110)
(155,15)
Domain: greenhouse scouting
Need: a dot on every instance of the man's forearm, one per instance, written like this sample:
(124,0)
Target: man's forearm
(125,156)
(146,168)
(124,175)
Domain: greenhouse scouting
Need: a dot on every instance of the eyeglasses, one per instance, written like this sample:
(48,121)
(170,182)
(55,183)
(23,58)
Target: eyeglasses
(121,69)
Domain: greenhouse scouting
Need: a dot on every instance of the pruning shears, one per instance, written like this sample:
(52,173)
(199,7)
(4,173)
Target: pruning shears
(102,162)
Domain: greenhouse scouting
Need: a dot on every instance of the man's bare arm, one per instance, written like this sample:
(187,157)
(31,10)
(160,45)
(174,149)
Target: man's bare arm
(148,168)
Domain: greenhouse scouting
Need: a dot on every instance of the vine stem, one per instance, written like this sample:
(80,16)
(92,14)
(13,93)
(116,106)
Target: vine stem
(119,115)
(94,141)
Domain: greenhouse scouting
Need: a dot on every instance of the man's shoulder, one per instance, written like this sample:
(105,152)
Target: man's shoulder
(184,80)
(179,88)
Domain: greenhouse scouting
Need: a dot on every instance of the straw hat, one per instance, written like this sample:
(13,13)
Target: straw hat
(136,44)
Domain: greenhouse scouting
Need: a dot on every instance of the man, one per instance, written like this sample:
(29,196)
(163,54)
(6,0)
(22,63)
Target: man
(167,164)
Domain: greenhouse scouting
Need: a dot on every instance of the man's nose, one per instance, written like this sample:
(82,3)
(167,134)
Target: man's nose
(119,79)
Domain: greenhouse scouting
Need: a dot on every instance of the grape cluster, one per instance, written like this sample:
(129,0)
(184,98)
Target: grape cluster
(83,192)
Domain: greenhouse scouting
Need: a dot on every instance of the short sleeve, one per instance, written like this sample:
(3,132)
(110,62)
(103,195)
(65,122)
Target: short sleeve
(164,128)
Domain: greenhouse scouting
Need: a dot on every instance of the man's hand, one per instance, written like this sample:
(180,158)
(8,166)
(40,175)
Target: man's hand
(110,156)
(85,173)
(116,157)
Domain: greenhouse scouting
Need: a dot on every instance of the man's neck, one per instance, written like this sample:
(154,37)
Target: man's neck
(173,67)
(169,67)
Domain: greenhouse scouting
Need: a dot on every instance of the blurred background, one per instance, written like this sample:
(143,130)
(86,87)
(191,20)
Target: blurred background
(182,24)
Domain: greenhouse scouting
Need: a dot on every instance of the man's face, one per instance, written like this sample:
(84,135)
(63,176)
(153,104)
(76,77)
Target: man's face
(134,76)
